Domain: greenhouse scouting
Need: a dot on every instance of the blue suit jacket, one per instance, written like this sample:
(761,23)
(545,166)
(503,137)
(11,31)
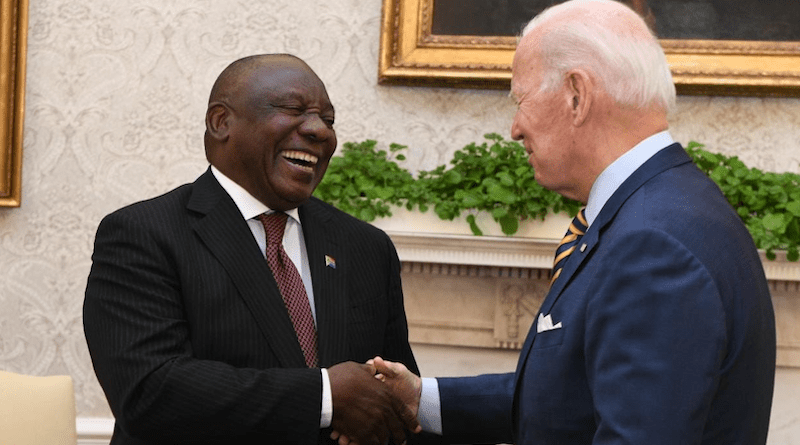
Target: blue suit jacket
(667,330)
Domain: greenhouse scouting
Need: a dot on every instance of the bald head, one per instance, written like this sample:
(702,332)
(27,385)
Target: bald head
(234,79)
(609,40)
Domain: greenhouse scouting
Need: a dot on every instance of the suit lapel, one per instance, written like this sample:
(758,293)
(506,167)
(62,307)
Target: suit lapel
(228,237)
(665,159)
(322,239)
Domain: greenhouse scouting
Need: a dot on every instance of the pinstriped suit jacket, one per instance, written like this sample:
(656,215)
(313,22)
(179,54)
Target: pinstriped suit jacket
(189,335)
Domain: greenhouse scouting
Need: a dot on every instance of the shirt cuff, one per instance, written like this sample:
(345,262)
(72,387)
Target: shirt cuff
(327,401)
(429,415)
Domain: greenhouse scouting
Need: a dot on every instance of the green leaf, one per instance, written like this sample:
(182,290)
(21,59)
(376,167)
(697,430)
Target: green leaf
(499,212)
(383,193)
(794,208)
(470,200)
(367,214)
(474,225)
(453,177)
(773,222)
(792,254)
(509,224)
(506,179)
(501,194)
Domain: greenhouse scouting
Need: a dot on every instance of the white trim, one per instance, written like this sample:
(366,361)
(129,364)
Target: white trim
(94,430)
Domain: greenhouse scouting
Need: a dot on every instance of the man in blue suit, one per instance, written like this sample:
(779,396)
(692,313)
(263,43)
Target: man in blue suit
(658,327)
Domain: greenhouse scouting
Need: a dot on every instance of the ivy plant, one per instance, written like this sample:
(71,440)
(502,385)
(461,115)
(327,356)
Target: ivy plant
(492,177)
(768,203)
(365,182)
(495,177)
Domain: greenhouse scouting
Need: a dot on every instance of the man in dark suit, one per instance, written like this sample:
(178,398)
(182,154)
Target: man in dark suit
(188,331)
(658,327)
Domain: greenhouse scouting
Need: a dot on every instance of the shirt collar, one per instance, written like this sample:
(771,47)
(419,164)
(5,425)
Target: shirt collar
(249,206)
(615,174)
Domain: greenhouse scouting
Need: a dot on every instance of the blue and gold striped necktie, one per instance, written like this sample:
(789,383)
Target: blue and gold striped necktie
(576,230)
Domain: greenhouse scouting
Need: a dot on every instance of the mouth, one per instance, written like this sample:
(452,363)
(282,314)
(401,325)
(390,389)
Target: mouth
(302,160)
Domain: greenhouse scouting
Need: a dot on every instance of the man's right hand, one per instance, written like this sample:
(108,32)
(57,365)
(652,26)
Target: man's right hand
(405,385)
(364,409)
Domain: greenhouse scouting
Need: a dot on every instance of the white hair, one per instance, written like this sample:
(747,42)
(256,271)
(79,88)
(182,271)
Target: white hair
(631,66)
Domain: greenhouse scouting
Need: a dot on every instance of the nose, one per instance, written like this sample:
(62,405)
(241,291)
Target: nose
(315,128)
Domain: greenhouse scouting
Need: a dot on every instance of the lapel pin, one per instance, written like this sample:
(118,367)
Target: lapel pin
(583,247)
(330,262)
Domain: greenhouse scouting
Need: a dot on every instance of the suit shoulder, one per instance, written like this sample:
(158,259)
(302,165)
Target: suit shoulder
(156,207)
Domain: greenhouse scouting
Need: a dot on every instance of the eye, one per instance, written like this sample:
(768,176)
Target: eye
(294,110)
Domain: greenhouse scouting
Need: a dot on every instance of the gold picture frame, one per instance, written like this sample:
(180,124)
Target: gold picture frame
(410,54)
(13,49)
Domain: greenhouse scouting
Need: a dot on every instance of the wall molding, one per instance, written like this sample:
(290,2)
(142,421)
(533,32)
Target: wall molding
(94,430)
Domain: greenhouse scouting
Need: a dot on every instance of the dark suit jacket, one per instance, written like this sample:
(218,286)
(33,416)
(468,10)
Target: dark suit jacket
(189,335)
(667,330)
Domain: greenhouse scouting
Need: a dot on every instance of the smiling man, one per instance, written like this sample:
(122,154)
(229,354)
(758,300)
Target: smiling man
(235,309)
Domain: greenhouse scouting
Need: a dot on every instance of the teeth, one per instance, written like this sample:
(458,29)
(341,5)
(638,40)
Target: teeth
(300,156)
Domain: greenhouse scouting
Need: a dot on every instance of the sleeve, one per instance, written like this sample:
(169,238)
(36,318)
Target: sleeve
(477,409)
(655,341)
(139,341)
(429,415)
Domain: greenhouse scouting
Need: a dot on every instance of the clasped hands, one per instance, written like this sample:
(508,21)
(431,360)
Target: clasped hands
(373,402)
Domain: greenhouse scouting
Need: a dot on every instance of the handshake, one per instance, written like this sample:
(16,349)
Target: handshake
(373,402)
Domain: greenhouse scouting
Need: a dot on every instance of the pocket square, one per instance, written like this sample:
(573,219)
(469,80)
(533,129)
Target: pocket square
(545,323)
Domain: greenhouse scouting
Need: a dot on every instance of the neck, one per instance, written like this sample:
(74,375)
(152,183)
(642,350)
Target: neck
(623,130)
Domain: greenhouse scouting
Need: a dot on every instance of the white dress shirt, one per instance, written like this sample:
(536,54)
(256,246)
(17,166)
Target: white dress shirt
(430,410)
(295,247)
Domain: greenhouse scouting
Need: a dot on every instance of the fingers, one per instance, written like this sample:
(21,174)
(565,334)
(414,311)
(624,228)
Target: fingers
(388,369)
(341,438)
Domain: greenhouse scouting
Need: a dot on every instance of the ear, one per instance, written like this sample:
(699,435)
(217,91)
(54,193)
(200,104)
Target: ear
(581,95)
(217,121)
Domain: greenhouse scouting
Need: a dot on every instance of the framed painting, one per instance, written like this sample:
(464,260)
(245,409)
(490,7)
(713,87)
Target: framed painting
(13,47)
(716,47)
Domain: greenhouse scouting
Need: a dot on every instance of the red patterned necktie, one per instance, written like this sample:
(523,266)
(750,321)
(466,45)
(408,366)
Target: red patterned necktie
(576,230)
(291,285)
